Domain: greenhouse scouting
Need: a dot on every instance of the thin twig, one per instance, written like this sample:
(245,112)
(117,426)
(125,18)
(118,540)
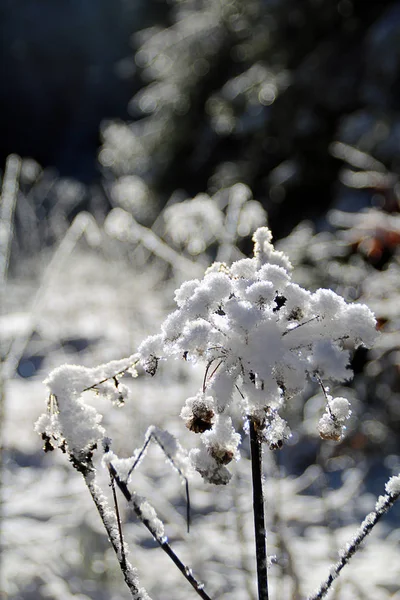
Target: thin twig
(258,511)
(141,454)
(113,376)
(121,538)
(301,325)
(162,541)
(382,507)
(109,521)
(210,362)
(176,467)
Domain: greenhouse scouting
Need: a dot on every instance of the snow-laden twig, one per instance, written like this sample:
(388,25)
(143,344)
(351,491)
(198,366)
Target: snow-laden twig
(382,506)
(111,526)
(71,424)
(174,453)
(146,513)
(75,428)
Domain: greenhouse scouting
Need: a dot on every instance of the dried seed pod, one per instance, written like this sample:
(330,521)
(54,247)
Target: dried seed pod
(223,456)
(151,365)
(47,446)
(276,445)
(335,434)
(198,413)
(201,419)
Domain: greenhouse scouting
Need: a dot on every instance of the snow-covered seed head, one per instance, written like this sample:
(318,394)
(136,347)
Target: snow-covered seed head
(221,455)
(260,337)
(275,431)
(331,425)
(198,413)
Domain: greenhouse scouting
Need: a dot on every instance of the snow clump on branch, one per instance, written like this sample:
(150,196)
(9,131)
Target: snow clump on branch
(71,424)
(262,336)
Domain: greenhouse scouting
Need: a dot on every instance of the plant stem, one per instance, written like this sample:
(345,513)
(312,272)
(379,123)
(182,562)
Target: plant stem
(110,523)
(163,542)
(258,511)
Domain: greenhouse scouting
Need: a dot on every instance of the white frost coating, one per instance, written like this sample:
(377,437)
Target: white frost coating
(123,466)
(331,426)
(330,359)
(222,441)
(173,450)
(185,291)
(277,431)
(198,407)
(340,408)
(383,504)
(258,332)
(392,487)
(208,467)
(69,418)
(107,458)
(150,515)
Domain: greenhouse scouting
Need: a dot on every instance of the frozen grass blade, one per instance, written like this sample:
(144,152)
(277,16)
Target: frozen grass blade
(8,198)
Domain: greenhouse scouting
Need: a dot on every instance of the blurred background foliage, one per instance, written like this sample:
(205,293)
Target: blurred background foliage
(156,136)
(197,95)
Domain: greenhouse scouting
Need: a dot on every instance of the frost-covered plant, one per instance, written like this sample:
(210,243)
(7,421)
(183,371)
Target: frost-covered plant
(230,214)
(261,336)
(74,427)
(194,223)
(185,230)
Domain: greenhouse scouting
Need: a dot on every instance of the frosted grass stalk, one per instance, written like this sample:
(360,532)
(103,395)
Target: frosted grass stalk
(382,506)
(8,201)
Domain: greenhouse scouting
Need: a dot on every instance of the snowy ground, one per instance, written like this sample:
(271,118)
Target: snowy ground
(98,307)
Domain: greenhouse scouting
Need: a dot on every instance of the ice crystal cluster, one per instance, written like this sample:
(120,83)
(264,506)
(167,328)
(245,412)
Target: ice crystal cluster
(261,337)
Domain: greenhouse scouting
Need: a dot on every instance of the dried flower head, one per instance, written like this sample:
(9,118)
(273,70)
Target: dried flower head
(263,336)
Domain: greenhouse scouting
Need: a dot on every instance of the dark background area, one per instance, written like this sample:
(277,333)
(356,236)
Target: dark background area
(66,66)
